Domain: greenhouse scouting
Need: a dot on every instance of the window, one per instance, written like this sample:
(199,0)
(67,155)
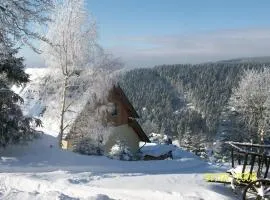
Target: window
(114,110)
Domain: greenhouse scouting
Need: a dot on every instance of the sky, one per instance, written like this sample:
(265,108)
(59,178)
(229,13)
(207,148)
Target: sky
(145,33)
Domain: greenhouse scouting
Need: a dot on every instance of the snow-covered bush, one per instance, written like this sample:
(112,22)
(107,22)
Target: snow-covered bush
(160,138)
(120,151)
(88,146)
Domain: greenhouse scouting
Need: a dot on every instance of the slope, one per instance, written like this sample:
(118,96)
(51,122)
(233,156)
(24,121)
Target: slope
(42,171)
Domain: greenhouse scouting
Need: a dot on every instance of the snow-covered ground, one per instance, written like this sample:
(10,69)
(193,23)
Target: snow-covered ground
(41,170)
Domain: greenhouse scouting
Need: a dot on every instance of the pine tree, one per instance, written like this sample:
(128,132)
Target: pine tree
(17,22)
(14,126)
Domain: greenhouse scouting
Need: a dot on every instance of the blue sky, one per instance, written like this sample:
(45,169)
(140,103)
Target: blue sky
(150,32)
(161,17)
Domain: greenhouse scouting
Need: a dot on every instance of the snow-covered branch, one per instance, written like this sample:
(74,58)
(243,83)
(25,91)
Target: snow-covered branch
(251,99)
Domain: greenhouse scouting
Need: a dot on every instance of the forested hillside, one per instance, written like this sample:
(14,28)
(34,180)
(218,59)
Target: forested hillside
(188,102)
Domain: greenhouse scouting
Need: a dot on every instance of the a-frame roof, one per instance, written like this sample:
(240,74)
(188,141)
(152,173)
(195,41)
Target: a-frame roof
(126,103)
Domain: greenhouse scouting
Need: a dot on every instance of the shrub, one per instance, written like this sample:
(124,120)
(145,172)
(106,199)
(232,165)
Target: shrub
(88,146)
(120,151)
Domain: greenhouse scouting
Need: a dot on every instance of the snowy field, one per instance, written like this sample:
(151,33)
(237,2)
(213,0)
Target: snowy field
(42,171)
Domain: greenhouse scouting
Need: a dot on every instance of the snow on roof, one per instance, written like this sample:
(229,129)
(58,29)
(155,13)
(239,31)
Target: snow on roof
(156,150)
(153,149)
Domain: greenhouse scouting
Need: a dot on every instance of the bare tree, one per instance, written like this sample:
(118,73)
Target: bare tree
(17,18)
(251,99)
(72,36)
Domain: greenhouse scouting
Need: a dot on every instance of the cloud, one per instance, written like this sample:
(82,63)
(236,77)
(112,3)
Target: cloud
(147,51)
(193,48)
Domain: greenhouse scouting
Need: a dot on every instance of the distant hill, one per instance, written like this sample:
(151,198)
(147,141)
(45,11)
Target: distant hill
(262,59)
(188,102)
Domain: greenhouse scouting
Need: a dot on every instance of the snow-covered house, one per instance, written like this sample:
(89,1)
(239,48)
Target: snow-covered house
(120,120)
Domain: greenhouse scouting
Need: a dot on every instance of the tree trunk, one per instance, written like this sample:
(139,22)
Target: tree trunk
(62,114)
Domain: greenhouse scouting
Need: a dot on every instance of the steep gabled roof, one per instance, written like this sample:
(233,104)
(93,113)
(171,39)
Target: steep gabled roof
(138,129)
(126,103)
